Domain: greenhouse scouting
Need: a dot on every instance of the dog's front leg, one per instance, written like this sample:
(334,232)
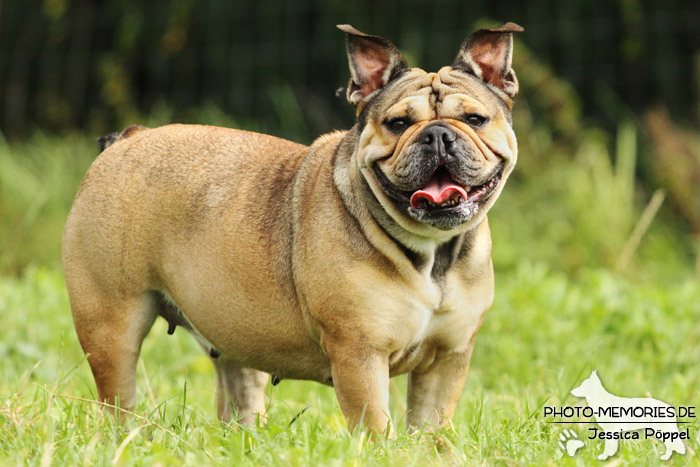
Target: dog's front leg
(433,394)
(609,450)
(361,381)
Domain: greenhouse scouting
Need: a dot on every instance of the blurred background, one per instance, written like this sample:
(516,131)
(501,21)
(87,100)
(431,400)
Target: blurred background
(607,117)
(596,237)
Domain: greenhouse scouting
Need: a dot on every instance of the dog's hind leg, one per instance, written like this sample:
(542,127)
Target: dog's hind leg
(238,389)
(110,330)
(241,390)
(671,446)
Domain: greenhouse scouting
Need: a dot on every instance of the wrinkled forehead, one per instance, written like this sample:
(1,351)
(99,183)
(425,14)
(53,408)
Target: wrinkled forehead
(446,93)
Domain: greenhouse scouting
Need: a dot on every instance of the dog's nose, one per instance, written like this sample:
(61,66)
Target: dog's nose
(437,139)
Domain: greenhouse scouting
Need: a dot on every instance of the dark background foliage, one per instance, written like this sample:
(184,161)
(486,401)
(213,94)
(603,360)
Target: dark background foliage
(67,64)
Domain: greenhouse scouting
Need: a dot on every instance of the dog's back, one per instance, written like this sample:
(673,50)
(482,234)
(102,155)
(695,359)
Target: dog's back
(152,190)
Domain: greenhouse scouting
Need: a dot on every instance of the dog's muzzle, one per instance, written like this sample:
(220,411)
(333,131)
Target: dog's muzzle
(439,197)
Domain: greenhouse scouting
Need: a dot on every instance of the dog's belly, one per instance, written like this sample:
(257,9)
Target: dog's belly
(255,323)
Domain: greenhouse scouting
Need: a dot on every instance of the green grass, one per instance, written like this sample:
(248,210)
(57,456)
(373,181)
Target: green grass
(559,231)
(544,335)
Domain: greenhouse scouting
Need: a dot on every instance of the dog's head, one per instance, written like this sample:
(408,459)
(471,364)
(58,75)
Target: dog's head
(434,148)
(590,386)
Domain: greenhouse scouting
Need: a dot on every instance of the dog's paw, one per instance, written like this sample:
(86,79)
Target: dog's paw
(569,442)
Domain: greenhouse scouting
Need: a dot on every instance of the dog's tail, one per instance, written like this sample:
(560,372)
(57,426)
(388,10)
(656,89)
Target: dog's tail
(111,138)
(108,140)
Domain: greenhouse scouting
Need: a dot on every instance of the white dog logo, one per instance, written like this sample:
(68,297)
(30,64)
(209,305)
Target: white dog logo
(620,417)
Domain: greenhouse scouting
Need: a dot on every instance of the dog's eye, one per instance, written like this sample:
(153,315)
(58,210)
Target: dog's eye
(398,124)
(475,120)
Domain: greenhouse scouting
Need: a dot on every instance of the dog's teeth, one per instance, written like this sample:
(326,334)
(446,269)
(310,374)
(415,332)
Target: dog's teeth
(455,200)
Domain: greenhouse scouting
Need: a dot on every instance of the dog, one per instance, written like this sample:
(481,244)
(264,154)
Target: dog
(361,257)
(617,415)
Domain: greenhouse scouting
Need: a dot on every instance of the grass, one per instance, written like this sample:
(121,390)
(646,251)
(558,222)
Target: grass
(559,231)
(544,335)
(38,181)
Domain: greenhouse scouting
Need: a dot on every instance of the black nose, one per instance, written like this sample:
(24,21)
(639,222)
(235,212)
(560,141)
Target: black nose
(437,139)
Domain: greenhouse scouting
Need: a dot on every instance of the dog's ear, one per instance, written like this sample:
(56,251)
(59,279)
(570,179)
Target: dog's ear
(488,54)
(374,61)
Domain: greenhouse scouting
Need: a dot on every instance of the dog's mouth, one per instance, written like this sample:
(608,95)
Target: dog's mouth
(442,193)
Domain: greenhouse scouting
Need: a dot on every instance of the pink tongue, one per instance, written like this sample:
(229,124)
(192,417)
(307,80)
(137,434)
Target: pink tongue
(439,189)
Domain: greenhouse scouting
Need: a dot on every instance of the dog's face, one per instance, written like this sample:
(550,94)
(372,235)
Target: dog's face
(588,386)
(435,148)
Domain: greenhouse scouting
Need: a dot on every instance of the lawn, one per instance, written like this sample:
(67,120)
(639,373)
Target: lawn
(576,290)
(544,334)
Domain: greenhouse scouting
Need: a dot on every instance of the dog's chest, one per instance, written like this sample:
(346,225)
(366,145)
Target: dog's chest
(441,315)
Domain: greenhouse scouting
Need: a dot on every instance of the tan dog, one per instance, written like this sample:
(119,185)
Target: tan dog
(363,256)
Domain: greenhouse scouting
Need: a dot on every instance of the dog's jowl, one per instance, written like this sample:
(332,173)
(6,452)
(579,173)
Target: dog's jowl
(363,256)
